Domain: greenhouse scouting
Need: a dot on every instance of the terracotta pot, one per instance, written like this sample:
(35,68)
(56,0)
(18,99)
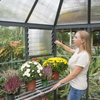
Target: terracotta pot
(55,75)
(31,85)
(1,96)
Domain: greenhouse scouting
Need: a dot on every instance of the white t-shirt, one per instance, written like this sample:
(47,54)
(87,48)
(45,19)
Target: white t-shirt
(82,60)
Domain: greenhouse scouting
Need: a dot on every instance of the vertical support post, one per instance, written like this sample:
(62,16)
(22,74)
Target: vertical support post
(55,96)
(91,38)
(26,43)
(99,38)
(54,44)
(88,72)
(70,37)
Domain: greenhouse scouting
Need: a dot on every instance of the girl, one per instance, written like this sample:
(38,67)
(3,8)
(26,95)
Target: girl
(79,65)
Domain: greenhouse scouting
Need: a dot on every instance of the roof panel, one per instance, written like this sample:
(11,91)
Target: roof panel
(95,11)
(73,12)
(15,10)
(44,12)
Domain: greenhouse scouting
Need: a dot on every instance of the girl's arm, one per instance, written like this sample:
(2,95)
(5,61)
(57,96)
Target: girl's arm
(68,49)
(71,76)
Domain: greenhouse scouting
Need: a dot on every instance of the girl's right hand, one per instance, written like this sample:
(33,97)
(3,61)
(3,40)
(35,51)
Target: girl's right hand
(57,42)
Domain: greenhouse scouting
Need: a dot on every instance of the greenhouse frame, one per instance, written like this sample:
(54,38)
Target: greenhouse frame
(42,19)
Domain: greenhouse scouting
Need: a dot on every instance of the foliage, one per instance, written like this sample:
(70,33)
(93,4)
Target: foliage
(2,80)
(65,89)
(47,73)
(8,72)
(9,34)
(57,64)
(94,84)
(97,51)
(94,66)
(96,37)
(30,70)
(63,37)
(12,45)
(61,51)
(94,79)
(12,84)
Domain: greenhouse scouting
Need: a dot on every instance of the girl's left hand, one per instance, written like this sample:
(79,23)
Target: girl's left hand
(55,86)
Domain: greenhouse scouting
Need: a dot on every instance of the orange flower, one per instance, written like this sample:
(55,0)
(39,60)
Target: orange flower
(15,43)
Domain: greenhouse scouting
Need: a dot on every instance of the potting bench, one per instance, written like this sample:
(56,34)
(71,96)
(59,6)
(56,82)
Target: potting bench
(40,90)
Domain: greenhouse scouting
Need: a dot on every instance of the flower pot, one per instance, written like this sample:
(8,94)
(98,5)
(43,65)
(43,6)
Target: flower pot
(31,85)
(55,75)
(10,97)
(44,83)
(1,96)
(18,92)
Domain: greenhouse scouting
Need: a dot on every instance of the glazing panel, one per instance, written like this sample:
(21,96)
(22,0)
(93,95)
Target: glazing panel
(44,12)
(39,42)
(15,10)
(73,12)
(95,11)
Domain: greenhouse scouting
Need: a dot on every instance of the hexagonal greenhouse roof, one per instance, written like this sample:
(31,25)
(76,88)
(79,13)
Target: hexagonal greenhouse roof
(48,11)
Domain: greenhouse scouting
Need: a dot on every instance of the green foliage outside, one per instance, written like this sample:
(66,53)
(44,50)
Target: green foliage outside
(2,80)
(12,45)
(96,51)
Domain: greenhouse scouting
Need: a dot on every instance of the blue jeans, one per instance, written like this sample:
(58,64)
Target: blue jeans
(75,94)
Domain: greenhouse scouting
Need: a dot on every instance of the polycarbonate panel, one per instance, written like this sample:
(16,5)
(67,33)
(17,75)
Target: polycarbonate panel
(73,12)
(44,12)
(95,11)
(15,10)
(40,42)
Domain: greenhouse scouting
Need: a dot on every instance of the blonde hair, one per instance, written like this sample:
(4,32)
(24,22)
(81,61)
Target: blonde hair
(87,44)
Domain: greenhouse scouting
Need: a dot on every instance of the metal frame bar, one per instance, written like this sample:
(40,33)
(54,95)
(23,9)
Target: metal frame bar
(89,31)
(26,43)
(36,1)
(58,12)
(46,26)
(40,55)
(89,11)
(12,62)
(77,26)
(54,52)
(19,24)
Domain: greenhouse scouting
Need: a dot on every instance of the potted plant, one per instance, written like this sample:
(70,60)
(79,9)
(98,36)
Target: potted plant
(2,80)
(11,86)
(10,73)
(30,71)
(47,73)
(57,64)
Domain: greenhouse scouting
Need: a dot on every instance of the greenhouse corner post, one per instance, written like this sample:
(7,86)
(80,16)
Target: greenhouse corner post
(26,43)
(87,73)
(55,54)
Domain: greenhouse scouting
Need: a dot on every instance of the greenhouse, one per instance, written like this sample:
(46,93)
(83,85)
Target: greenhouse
(28,29)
